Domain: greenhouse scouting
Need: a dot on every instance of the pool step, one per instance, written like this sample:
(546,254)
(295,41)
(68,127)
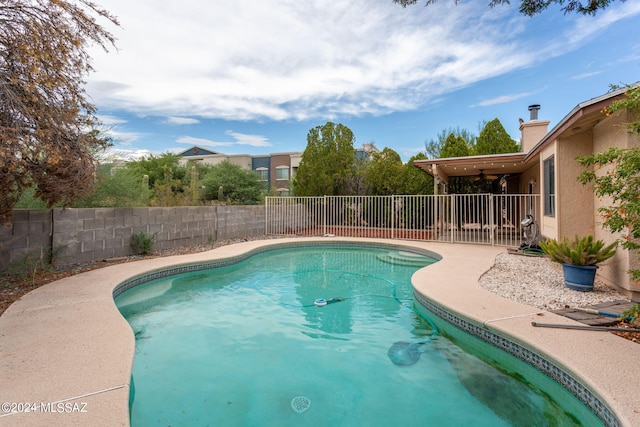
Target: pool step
(405,258)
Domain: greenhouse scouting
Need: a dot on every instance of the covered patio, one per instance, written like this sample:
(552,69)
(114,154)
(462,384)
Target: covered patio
(508,169)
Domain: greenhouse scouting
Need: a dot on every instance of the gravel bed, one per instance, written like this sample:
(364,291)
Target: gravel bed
(538,282)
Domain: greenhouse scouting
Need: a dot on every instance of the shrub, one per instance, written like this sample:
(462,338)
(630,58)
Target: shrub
(580,251)
(142,243)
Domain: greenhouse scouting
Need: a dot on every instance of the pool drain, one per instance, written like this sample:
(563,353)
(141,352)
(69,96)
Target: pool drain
(300,404)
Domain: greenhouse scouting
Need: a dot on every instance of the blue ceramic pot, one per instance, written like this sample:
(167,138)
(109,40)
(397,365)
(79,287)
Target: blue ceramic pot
(579,277)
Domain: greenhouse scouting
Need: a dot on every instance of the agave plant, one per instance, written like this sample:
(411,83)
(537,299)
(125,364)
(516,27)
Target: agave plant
(579,251)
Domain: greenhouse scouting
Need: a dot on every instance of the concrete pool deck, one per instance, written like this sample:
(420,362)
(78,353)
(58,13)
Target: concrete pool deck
(66,353)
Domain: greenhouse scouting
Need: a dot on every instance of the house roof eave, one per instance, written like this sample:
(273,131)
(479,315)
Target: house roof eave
(587,112)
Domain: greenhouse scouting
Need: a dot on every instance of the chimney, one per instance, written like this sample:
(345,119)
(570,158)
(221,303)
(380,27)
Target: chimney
(534,130)
(533,111)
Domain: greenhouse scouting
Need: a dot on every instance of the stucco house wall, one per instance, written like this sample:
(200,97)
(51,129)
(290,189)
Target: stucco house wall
(574,202)
(532,132)
(531,175)
(611,132)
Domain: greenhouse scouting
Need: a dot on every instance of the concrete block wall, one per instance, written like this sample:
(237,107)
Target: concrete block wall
(83,235)
(27,235)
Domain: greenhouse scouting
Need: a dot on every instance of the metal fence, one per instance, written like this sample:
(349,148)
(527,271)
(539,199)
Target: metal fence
(493,219)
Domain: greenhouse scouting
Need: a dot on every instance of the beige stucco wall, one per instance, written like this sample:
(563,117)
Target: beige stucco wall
(576,205)
(609,133)
(209,160)
(242,160)
(531,133)
(532,174)
(295,160)
(574,201)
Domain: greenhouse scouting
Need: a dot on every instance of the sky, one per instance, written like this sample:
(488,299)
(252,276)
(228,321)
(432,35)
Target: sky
(254,76)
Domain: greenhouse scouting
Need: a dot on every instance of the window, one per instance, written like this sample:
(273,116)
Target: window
(282,173)
(550,187)
(263,174)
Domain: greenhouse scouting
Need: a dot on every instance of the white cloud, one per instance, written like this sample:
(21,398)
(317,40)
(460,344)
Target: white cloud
(108,120)
(589,26)
(585,75)
(112,128)
(252,140)
(182,121)
(407,153)
(122,138)
(190,140)
(239,139)
(632,56)
(501,99)
(286,59)
(114,154)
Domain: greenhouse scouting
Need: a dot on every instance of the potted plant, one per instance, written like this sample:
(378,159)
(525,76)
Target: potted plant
(579,258)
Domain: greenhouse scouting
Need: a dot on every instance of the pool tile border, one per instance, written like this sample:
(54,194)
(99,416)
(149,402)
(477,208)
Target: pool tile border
(532,358)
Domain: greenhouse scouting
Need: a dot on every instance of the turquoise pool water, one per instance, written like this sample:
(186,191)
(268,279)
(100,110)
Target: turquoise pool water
(250,345)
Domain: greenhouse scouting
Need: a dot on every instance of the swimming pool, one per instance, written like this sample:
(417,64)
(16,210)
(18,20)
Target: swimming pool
(249,344)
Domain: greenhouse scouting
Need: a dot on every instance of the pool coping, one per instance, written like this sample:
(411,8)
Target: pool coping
(65,348)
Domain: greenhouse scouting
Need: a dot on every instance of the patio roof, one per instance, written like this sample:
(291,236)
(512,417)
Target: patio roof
(493,164)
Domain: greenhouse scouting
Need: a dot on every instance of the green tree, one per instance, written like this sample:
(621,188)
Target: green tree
(494,139)
(44,111)
(169,191)
(631,104)
(229,183)
(166,177)
(157,168)
(357,184)
(533,7)
(433,147)
(620,184)
(327,162)
(384,173)
(414,180)
(28,200)
(455,146)
(116,188)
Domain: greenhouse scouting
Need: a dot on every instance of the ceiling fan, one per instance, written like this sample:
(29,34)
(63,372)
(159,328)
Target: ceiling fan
(482,176)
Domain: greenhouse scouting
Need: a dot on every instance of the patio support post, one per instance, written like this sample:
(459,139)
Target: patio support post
(491,220)
(452,218)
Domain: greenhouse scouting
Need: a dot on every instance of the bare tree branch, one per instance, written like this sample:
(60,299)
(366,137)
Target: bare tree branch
(45,116)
